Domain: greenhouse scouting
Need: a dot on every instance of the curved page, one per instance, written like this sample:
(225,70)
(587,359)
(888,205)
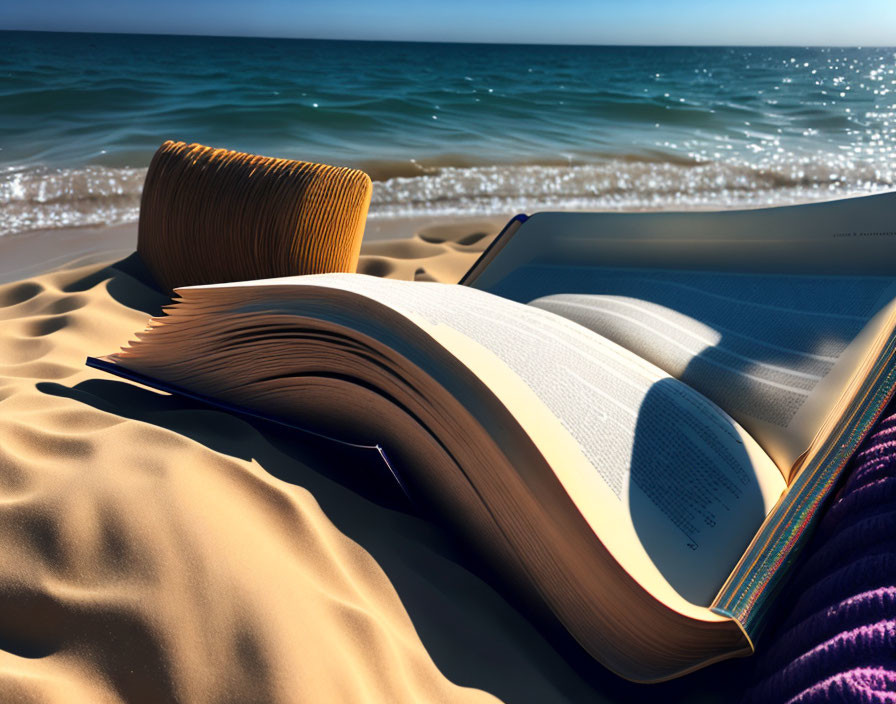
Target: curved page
(670,484)
(776,352)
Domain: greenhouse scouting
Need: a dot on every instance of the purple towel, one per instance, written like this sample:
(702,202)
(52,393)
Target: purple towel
(835,638)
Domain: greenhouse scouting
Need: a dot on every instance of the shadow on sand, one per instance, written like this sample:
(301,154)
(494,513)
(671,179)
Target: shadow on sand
(475,628)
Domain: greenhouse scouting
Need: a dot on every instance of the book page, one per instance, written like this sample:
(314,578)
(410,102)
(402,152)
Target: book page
(777,349)
(670,483)
(760,346)
(841,237)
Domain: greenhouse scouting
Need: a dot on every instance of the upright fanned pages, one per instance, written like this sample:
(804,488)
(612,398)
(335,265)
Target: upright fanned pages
(211,215)
(634,417)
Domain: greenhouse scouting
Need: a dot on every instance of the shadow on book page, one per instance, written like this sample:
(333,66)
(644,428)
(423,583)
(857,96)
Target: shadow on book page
(693,505)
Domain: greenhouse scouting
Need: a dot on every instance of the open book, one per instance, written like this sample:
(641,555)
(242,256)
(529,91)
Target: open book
(635,417)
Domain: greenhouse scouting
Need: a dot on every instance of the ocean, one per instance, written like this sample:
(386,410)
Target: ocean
(446,128)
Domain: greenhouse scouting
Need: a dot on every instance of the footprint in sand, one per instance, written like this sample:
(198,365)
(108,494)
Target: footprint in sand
(440,253)
(442,235)
(14,294)
(41,326)
(422,275)
(68,304)
(376,266)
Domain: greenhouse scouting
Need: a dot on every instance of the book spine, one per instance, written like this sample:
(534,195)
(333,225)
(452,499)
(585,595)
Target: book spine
(749,591)
(500,240)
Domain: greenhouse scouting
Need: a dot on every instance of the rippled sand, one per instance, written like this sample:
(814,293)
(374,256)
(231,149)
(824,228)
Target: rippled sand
(156,550)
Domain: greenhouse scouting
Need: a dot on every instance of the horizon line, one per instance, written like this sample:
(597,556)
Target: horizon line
(455,41)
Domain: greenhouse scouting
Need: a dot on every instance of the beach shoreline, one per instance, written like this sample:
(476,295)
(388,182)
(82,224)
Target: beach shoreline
(386,247)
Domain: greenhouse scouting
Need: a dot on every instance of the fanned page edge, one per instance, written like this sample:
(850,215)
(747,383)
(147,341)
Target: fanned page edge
(724,636)
(570,466)
(110,366)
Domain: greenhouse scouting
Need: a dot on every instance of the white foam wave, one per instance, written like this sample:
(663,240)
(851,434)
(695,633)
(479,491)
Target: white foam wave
(621,185)
(35,198)
(42,198)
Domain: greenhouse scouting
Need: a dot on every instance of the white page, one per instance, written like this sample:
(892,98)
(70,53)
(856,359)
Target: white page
(758,345)
(678,468)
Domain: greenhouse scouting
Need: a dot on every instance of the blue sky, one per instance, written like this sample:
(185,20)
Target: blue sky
(789,22)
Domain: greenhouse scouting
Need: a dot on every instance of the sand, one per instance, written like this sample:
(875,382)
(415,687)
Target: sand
(156,550)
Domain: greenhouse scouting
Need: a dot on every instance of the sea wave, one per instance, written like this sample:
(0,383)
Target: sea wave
(623,184)
(43,198)
(442,128)
(36,198)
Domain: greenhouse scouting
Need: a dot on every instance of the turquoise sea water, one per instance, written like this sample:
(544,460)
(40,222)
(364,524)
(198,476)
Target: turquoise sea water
(446,128)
